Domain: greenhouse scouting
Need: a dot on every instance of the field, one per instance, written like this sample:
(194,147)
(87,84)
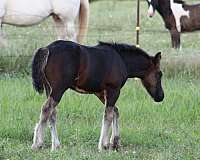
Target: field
(168,130)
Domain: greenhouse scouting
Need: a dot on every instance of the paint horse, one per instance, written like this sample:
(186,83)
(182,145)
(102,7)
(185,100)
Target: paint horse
(178,17)
(101,70)
(31,12)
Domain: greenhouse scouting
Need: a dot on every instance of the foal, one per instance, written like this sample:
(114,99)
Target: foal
(178,17)
(101,70)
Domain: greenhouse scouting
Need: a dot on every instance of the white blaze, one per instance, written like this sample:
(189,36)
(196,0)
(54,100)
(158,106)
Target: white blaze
(150,10)
(178,12)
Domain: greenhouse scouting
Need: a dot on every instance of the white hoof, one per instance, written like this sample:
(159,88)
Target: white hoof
(36,146)
(55,147)
(103,147)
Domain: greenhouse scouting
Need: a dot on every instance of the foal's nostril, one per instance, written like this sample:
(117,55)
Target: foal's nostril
(159,97)
(162,96)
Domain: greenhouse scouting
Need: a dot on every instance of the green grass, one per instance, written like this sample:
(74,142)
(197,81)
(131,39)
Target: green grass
(169,130)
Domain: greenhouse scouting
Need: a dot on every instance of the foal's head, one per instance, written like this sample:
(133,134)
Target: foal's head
(152,79)
(152,7)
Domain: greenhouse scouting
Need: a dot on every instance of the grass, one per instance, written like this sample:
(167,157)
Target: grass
(169,130)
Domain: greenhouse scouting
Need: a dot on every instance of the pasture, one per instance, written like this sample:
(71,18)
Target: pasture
(169,130)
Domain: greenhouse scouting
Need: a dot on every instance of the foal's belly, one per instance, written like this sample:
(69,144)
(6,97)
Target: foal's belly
(26,12)
(85,90)
(88,88)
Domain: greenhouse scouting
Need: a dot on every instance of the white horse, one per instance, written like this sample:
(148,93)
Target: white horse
(65,14)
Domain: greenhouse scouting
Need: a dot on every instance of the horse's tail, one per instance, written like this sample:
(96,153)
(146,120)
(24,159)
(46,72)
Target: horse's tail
(83,19)
(38,64)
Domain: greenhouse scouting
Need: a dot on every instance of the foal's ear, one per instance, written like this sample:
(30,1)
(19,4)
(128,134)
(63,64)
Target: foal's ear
(157,58)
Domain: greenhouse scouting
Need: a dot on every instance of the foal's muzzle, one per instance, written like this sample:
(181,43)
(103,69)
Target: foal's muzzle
(159,97)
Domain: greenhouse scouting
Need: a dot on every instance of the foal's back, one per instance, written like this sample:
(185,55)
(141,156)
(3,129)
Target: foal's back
(89,68)
(100,66)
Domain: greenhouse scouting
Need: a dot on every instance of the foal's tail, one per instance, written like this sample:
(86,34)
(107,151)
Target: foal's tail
(38,64)
(83,19)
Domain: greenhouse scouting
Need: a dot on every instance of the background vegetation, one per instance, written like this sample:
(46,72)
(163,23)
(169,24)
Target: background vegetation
(109,21)
(169,130)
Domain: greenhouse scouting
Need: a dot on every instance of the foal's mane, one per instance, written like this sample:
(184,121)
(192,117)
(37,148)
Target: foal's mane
(121,48)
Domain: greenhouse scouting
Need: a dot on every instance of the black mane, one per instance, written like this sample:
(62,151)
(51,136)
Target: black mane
(179,1)
(121,48)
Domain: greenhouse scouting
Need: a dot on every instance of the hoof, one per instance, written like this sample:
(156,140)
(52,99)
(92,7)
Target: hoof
(55,147)
(36,146)
(115,145)
(106,147)
(103,147)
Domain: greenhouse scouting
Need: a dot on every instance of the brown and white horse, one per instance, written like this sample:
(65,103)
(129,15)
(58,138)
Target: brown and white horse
(30,12)
(178,17)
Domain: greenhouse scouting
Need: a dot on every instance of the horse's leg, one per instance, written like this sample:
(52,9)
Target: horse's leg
(175,38)
(46,113)
(71,31)
(3,42)
(60,27)
(40,127)
(111,97)
(47,89)
(106,123)
(65,28)
(52,120)
(1,32)
(54,135)
(114,140)
(2,36)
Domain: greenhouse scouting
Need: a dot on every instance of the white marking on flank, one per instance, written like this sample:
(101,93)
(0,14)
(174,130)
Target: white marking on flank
(178,12)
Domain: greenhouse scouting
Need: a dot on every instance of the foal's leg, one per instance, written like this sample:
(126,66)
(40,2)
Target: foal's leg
(46,111)
(175,38)
(54,135)
(106,123)
(114,140)
(111,97)
(47,89)
(52,120)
